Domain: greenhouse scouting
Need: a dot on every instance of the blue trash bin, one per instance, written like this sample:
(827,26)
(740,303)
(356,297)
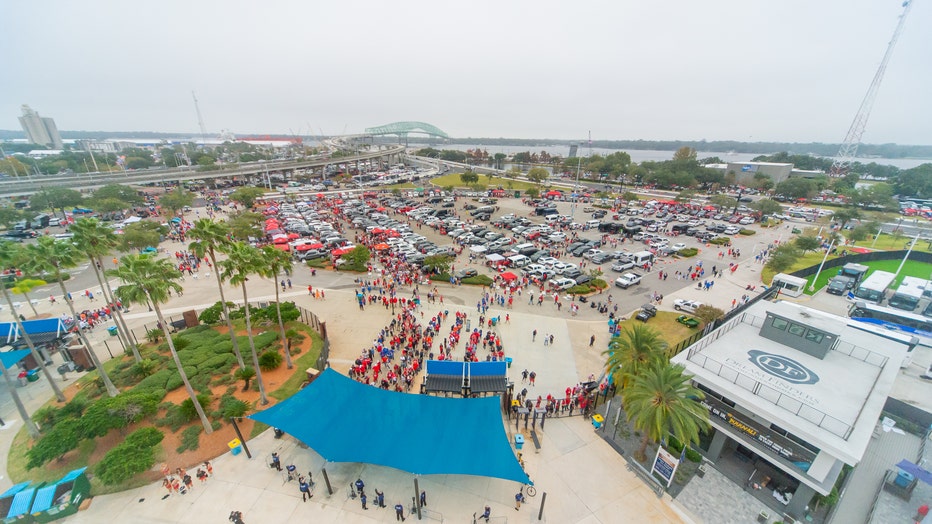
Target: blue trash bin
(519,441)
(508,362)
(236,450)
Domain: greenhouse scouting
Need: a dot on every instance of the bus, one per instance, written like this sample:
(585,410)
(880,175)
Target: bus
(907,296)
(872,289)
(910,341)
(893,320)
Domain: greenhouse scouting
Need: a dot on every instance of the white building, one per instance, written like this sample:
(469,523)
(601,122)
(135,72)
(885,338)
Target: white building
(793,395)
(41,131)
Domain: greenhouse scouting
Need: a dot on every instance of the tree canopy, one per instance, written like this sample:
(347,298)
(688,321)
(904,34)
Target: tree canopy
(246,196)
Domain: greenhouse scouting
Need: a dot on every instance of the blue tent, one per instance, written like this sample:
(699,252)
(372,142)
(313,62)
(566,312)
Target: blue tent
(345,421)
(11,358)
(44,329)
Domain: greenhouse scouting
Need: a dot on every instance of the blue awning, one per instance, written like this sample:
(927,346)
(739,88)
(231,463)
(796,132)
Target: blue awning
(345,421)
(11,358)
(9,331)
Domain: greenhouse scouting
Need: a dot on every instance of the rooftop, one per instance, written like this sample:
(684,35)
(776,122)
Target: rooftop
(833,402)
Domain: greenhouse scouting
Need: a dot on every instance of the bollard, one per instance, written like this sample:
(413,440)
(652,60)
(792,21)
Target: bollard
(417,498)
(543,498)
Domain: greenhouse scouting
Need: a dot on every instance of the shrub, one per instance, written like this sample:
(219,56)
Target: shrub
(721,241)
(581,289)
(187,406)
(190,438)
(133,456)
(441,277)
(270,360)
(61,439)
(144,368)
(747,232)
(598,283)
(245,374)
(231,406)
(154,335)
(214,314)
(156,381)
(478,280)
(46,416)
(687,252)
(174,419)
(118,412)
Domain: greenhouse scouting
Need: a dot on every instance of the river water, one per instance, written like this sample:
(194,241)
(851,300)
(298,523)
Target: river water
(642,155)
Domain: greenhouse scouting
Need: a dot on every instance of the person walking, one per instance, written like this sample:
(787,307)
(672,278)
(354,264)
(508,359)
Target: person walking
(591,340)
(532,377)
(276,462)
(519,498)
(486,514)
(551,340)
(305,489)
(533,335)
(423,499)
(379,498)
(399,512)
(362,498)
(360,485)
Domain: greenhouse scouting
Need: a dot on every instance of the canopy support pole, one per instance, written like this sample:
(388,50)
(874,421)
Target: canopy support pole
(238,435)
(540,514)
(417,498)
(327,480)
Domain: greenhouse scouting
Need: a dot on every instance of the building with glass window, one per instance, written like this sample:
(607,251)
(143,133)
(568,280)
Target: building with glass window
(793,395)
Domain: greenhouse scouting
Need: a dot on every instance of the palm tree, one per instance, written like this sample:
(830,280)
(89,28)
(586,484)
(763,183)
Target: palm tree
(148,280)
(244,260)
(274,262)
(211,237)
(636,349)
(51,256)
(30,425)
(98,241)
(23,286)
(10,255)
(660,401)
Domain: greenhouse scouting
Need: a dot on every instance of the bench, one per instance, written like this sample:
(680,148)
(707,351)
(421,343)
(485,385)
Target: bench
(536,441)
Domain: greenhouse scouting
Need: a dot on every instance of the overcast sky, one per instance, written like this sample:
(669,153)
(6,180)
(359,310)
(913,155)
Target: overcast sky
(749,70)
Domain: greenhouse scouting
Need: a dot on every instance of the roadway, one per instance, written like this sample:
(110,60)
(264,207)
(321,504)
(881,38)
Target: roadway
(30,185)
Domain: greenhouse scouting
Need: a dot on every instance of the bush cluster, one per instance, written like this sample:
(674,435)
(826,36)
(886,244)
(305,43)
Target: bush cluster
(134,455)
(677,446)
(687,252)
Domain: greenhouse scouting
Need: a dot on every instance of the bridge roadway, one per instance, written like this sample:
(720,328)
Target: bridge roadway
(28,186)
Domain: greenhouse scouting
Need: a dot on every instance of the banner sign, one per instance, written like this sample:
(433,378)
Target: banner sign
(665,465)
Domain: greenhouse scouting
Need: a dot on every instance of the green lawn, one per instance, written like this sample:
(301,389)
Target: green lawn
(809,259)
(887,242)
(665,322)
(453,179)
(912,269)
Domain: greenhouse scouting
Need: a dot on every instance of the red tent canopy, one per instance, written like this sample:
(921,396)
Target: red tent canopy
(280,240)
(553,193)
(857,249)
(380,247)
(283,247)
(307,247)
(509,276)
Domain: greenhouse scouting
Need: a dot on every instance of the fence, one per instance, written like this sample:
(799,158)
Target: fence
(312,320)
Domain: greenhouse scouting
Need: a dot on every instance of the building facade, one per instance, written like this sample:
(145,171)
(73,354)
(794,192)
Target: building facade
(40,130)
(794,394)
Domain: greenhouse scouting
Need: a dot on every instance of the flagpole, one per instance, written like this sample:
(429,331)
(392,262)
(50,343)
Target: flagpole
(908,251)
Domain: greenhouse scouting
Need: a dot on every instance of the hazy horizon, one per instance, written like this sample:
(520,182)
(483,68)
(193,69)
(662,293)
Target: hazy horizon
(793,71)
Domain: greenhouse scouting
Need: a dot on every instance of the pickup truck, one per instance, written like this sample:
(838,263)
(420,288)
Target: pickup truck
(627,280)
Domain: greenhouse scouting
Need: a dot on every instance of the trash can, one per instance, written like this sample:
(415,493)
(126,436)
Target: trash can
(597,421)
(112,330)
(519,441)
(235,446)
(508,362)
(33,375)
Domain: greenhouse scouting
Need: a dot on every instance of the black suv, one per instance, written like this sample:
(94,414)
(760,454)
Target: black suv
(647,311)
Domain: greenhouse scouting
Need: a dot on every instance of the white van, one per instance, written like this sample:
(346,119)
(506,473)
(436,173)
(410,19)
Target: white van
(592,224)
(519,247)
(518,261)
(642,257)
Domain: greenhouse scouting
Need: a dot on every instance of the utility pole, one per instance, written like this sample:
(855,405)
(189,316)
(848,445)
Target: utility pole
(200,119)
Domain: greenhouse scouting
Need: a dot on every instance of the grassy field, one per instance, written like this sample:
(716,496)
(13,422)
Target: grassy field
(453,179)
(665,322)
(809,259)
(887,242)
(912,269)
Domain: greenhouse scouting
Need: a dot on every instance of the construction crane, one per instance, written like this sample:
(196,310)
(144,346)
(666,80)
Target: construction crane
(200,119)
(849,147)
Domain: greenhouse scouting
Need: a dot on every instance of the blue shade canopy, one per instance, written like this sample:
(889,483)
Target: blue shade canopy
(345,421)
(915,471)
(11,358)
(45,329)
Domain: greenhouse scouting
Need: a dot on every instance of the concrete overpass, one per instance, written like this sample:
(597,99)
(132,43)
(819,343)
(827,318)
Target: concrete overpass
(25,186)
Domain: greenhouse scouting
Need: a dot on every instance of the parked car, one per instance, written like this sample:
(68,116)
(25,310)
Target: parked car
(690,306)
(465,273)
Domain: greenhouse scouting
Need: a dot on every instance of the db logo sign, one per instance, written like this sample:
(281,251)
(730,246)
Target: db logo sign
(783,367)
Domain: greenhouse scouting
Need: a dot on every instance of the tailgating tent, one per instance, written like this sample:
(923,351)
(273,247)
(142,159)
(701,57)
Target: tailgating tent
(478,249)
(509,276)
(494,257)
(40,331)
(346,421)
